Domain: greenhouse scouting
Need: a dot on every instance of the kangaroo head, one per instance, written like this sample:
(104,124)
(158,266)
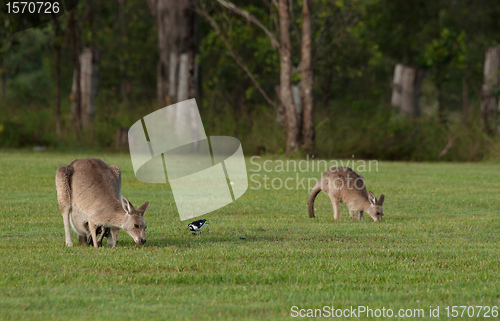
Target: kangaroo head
(375,210)
(134,223)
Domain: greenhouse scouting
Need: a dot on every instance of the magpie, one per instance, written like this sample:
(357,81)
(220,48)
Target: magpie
(196,226)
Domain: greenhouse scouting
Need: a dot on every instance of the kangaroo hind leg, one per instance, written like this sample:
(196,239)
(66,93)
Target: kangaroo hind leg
(63,178)
(336,210)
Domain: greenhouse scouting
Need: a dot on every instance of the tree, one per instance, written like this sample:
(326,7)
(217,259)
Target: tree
(85,57)
(490,102)
(285,49)
(121,60)
(3,81)
(58,47)
(442,54)
(292,125)
(76,106)
(306,82)
(5,44)
(175,21)
(406,89)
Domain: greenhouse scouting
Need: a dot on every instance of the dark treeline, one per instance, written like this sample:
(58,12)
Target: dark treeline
(388,79)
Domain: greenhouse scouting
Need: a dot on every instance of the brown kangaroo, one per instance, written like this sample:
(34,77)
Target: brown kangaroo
(343,185)
(88,191)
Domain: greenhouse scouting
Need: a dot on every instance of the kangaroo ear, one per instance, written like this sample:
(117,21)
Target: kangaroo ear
(127,206)
(371,198)
(381,200)
(143,208)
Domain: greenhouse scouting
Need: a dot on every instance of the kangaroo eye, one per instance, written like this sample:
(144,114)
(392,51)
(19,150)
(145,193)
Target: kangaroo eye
(137,226)
(378,213)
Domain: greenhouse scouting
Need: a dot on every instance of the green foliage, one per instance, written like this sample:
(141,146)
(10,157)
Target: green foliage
(28,126)
(361,131)
(450,48)
(258,257)
(254,48)
(257,130)
(137,50)
(26,67)
(355,47)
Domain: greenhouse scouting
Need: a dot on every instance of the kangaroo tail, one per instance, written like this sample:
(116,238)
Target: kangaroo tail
(312,196)
(63,185)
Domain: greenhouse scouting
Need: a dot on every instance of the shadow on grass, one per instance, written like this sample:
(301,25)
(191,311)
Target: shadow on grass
(244,239)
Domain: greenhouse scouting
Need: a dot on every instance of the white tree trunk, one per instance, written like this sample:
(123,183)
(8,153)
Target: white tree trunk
(175,22)
(406,89)
(183,80)
(172,76)
(89,75)
(490,103)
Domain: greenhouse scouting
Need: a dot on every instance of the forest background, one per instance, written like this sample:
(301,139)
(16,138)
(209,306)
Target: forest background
(380,79)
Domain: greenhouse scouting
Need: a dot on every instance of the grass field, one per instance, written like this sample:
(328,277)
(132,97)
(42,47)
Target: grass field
(439,245)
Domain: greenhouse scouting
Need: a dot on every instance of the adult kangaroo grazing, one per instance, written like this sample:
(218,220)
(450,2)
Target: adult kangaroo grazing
(88,191)
(343,185)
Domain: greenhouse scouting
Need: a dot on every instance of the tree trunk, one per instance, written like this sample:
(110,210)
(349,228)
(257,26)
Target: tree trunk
(406,89)
(88,83)
(121,62)
(90,71)
(183,90)
(491,83)
(465,100)
(121,140)
(58,48)
(291,126)
(197,67)
(76,88)
(306,82)
(84,89)
(439,88)
(175,22)
(290,110)
(297,101)
(4,81)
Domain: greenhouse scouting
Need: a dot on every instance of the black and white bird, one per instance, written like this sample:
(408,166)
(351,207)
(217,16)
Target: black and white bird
(197,225)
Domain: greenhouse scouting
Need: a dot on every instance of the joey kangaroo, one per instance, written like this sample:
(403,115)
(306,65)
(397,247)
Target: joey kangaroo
(88,192)
(343,185)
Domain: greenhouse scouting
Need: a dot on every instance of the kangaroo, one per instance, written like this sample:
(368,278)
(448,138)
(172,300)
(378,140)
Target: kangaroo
(88,192)
(343,185)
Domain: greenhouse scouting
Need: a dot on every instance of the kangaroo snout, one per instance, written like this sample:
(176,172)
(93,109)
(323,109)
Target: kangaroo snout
(141,241)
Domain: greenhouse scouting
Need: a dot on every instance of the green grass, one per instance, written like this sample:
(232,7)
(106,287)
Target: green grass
(261,255)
